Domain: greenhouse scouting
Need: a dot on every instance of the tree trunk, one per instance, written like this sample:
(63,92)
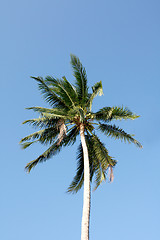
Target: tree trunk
(86,195)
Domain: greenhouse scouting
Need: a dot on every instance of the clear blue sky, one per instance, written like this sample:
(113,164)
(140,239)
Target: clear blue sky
(119,43)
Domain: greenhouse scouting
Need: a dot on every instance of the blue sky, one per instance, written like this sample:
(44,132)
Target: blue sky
(118,43)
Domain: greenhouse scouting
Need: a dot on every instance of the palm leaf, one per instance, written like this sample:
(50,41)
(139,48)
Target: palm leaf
(120,113)
(101,160)
(42,122)
(115,113)
(118,133)
(78,180)
(32,136)
(49,135)
(97,90)
(63,89)
(51,151)
(54,113)
(71,136)
(27,144)
(81,79)
(71,90)
(103,114)
(49,95)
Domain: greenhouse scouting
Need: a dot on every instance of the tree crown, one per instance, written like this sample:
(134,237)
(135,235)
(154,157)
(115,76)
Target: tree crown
(71,106)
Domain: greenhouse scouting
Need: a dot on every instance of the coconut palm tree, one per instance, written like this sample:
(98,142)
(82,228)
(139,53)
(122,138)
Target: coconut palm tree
(70,115)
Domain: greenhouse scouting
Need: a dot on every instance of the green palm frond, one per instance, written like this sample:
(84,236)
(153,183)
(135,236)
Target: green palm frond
(115,113)
(71,136)
(51,151)
(49,135)
(97,90)
(77,182)
(32,136)
(101,152)
(27,144)
(81,80)
(42,122)
(63,89)
(71,90)
(101,160)
(89,126)
(45,136)
(120,113)
(118,133)
(51,82)
(54,112)
(103,114)
(50,95)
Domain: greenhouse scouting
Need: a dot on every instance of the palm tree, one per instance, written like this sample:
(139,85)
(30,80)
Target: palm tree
(70,115)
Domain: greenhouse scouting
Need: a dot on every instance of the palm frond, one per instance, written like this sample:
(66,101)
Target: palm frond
(77,182)
(54,113)
(102,161)
(97,90)
(99,160)
(63,89)
(71,90)
(103,114)
(32,136)
(50,95)
(120,113)
(26,144)
(45,136)
(118,133)
(42,122)
(81,79)
(49,135)
(51,151)
(107,114)
(71,136)
(89,126)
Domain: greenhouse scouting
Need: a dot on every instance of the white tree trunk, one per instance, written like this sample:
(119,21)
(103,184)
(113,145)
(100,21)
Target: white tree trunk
(86,195)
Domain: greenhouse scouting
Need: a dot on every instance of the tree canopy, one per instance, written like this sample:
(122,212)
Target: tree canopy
(59,125)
